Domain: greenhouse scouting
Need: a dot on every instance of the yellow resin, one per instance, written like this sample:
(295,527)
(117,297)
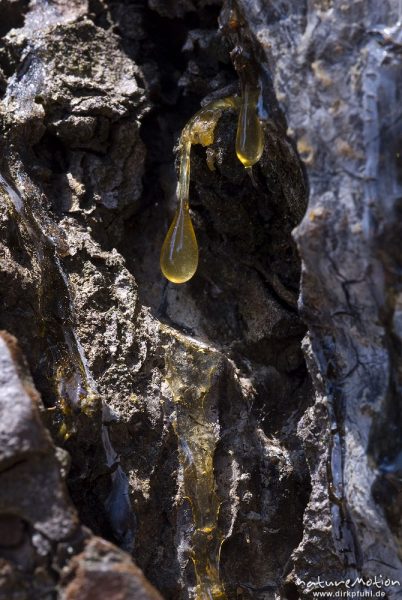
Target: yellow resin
(250,135)
(179,255)
(192,373)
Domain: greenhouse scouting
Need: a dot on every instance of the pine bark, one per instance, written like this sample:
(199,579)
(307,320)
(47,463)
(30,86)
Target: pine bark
(260,402)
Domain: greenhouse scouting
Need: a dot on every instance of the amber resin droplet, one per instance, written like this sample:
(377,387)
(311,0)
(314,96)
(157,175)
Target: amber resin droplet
(250,135)
(179,255)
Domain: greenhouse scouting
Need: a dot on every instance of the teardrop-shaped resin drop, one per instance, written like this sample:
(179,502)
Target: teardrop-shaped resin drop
(250,135)
(179,254)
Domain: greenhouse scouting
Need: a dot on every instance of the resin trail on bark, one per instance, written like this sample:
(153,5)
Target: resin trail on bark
(179,254)
(191,370)
(74,387)
(72,382)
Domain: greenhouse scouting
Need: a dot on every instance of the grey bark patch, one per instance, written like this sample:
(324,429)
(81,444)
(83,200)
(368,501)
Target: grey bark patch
(40,531)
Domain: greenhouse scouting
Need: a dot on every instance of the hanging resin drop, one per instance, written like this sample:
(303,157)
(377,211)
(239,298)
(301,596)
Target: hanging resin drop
(179,254)
(250,135)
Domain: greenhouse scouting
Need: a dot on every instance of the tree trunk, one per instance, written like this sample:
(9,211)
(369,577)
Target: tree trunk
(239,435)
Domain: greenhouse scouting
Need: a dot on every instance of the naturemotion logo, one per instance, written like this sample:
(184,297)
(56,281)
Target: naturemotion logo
(360,587)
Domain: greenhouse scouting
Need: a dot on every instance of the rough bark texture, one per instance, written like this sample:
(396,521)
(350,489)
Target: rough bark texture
(40,531)
(217,425)
(339,81)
